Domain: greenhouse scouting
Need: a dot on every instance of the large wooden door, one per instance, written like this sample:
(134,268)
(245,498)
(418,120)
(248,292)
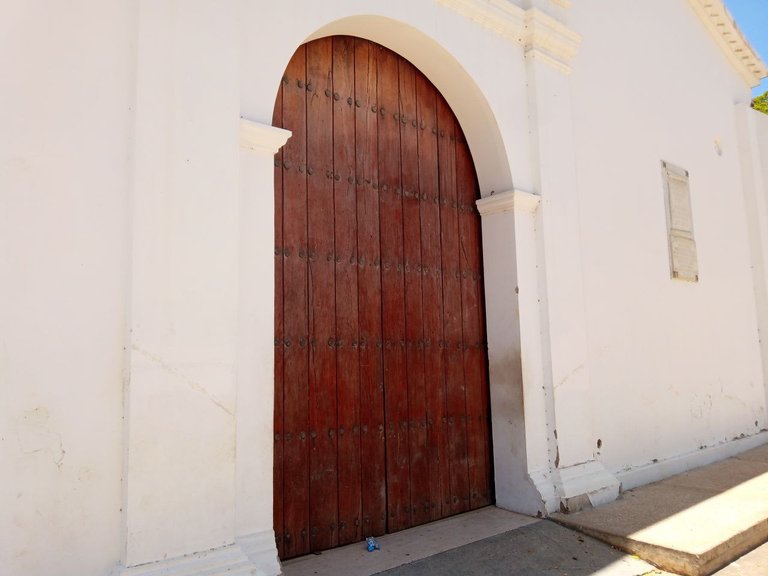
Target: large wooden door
(381,387)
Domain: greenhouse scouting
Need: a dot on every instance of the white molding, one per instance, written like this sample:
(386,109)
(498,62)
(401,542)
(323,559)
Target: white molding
(542,481)
(723,29)
(500,16)
(655,471)
(537,55)
(263,138)
(511,200)
(540,35)
(550,40)
(584,485)
(227,561)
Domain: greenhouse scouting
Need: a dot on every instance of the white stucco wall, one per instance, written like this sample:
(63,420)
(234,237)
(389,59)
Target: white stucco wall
(675,366)
(753,132)
(181,405)
(66,91)
(761,131)
(136,246)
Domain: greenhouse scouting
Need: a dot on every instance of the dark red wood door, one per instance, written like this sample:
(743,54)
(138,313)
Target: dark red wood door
(381,380)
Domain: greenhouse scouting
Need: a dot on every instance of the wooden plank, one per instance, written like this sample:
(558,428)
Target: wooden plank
(373,455)
(323,486)
(347,361)
(414,332)
(277,467)
(473,327)
(296,393)
(452,324)
(393,309)
(432,293)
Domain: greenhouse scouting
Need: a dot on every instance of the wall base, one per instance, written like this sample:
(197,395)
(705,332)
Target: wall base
(545,485)
(248,557)
(585,485)
(262,551)
(656,471)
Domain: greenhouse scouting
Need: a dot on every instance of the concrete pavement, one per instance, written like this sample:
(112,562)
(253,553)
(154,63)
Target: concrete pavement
(691,524)
(540,549)
(485,542)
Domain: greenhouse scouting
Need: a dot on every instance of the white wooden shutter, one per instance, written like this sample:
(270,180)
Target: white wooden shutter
(682,246)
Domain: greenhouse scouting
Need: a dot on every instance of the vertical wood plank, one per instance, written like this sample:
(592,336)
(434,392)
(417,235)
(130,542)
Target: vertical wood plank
(277,467)
(414,332)
(322,299)
(392,286)
(473,327)
(372,446)
(432,291)
(295,391)
(347,361)
(452,320)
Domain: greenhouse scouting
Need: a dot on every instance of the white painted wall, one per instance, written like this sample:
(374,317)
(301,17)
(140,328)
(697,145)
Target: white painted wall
(675,367)
(127,204)
(66,91)
(181,403)
(753,132)
(761,121)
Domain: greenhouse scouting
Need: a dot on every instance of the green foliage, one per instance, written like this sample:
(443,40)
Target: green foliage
(761,103)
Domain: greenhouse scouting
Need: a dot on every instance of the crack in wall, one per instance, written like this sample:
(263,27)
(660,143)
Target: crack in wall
(568,376)
(194,385)
(35,437)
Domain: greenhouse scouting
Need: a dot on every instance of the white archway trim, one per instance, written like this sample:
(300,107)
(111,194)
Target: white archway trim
(263,138)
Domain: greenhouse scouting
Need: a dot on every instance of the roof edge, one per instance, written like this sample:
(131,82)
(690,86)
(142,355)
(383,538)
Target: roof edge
(723,28)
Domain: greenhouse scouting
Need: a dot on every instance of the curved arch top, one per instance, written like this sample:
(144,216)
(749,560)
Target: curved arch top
(458,77)
(451,78)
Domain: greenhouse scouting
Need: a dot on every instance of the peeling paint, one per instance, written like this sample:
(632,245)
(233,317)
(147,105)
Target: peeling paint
(196,386)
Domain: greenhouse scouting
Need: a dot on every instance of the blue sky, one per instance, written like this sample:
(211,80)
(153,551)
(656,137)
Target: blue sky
(752,18)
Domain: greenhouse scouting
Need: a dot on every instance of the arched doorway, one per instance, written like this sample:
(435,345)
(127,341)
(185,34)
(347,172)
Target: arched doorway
(382,416)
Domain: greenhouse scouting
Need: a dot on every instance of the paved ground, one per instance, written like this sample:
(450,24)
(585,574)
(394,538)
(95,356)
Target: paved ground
(410,545)
(533,548)
(754,563)
(481,543)
(700,520)
(692,523)
(543,549)
(540,549)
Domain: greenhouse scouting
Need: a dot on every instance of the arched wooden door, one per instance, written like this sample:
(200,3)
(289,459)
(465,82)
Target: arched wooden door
(381,388)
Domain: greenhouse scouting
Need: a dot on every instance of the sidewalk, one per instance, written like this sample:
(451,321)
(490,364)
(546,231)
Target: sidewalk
(690,524)
(487,542)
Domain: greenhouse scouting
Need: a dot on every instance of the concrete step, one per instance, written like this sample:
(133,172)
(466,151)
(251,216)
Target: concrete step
(691,524)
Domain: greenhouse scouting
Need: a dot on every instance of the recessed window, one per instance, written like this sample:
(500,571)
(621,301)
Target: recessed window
(682,246)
